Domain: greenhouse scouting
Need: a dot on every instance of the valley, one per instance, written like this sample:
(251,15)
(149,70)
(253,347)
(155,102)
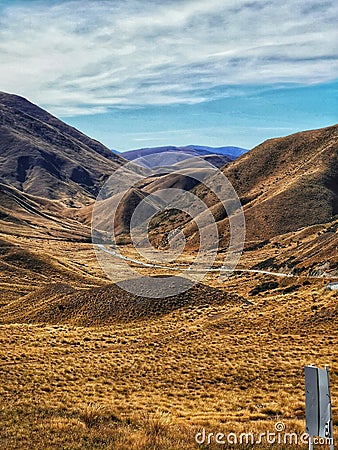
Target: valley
(87,364)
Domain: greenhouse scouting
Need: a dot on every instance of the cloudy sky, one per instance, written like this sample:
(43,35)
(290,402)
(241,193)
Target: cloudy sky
(136,73)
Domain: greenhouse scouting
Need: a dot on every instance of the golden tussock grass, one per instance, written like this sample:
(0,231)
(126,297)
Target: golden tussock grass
(153,383)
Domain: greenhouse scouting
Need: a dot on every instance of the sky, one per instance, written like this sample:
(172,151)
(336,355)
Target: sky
(136,73)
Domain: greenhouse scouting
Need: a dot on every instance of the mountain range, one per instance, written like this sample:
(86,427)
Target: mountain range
(217,156)
(51,173)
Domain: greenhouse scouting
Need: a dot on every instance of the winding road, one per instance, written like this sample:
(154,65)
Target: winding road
(219,269)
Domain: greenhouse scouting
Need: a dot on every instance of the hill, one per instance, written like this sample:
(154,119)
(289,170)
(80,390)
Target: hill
(284,184)
(104,305)
(288,183)
(36,217)
(42,156)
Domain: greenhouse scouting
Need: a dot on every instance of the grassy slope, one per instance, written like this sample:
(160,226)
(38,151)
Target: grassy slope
(153,383)
(65,387)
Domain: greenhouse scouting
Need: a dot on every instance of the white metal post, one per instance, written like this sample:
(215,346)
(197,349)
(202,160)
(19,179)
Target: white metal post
(318,404)
(331,421)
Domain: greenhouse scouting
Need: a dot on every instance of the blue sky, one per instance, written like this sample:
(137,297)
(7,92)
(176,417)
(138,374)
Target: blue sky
(134,73)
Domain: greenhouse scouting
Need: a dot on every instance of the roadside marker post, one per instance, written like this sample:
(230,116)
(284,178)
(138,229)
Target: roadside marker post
(318,404)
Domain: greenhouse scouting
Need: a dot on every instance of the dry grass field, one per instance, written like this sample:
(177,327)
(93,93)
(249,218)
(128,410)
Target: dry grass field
(229,360)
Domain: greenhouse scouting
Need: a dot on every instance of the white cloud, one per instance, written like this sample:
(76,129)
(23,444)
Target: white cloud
(83,57)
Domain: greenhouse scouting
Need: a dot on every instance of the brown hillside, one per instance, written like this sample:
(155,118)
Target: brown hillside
(60,303)
(26,107)
(284,184)
(42,156)
(36,217)
(288,183)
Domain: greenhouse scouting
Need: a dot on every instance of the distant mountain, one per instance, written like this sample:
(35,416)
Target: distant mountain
(216,156)
(229,151)
(42,156)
